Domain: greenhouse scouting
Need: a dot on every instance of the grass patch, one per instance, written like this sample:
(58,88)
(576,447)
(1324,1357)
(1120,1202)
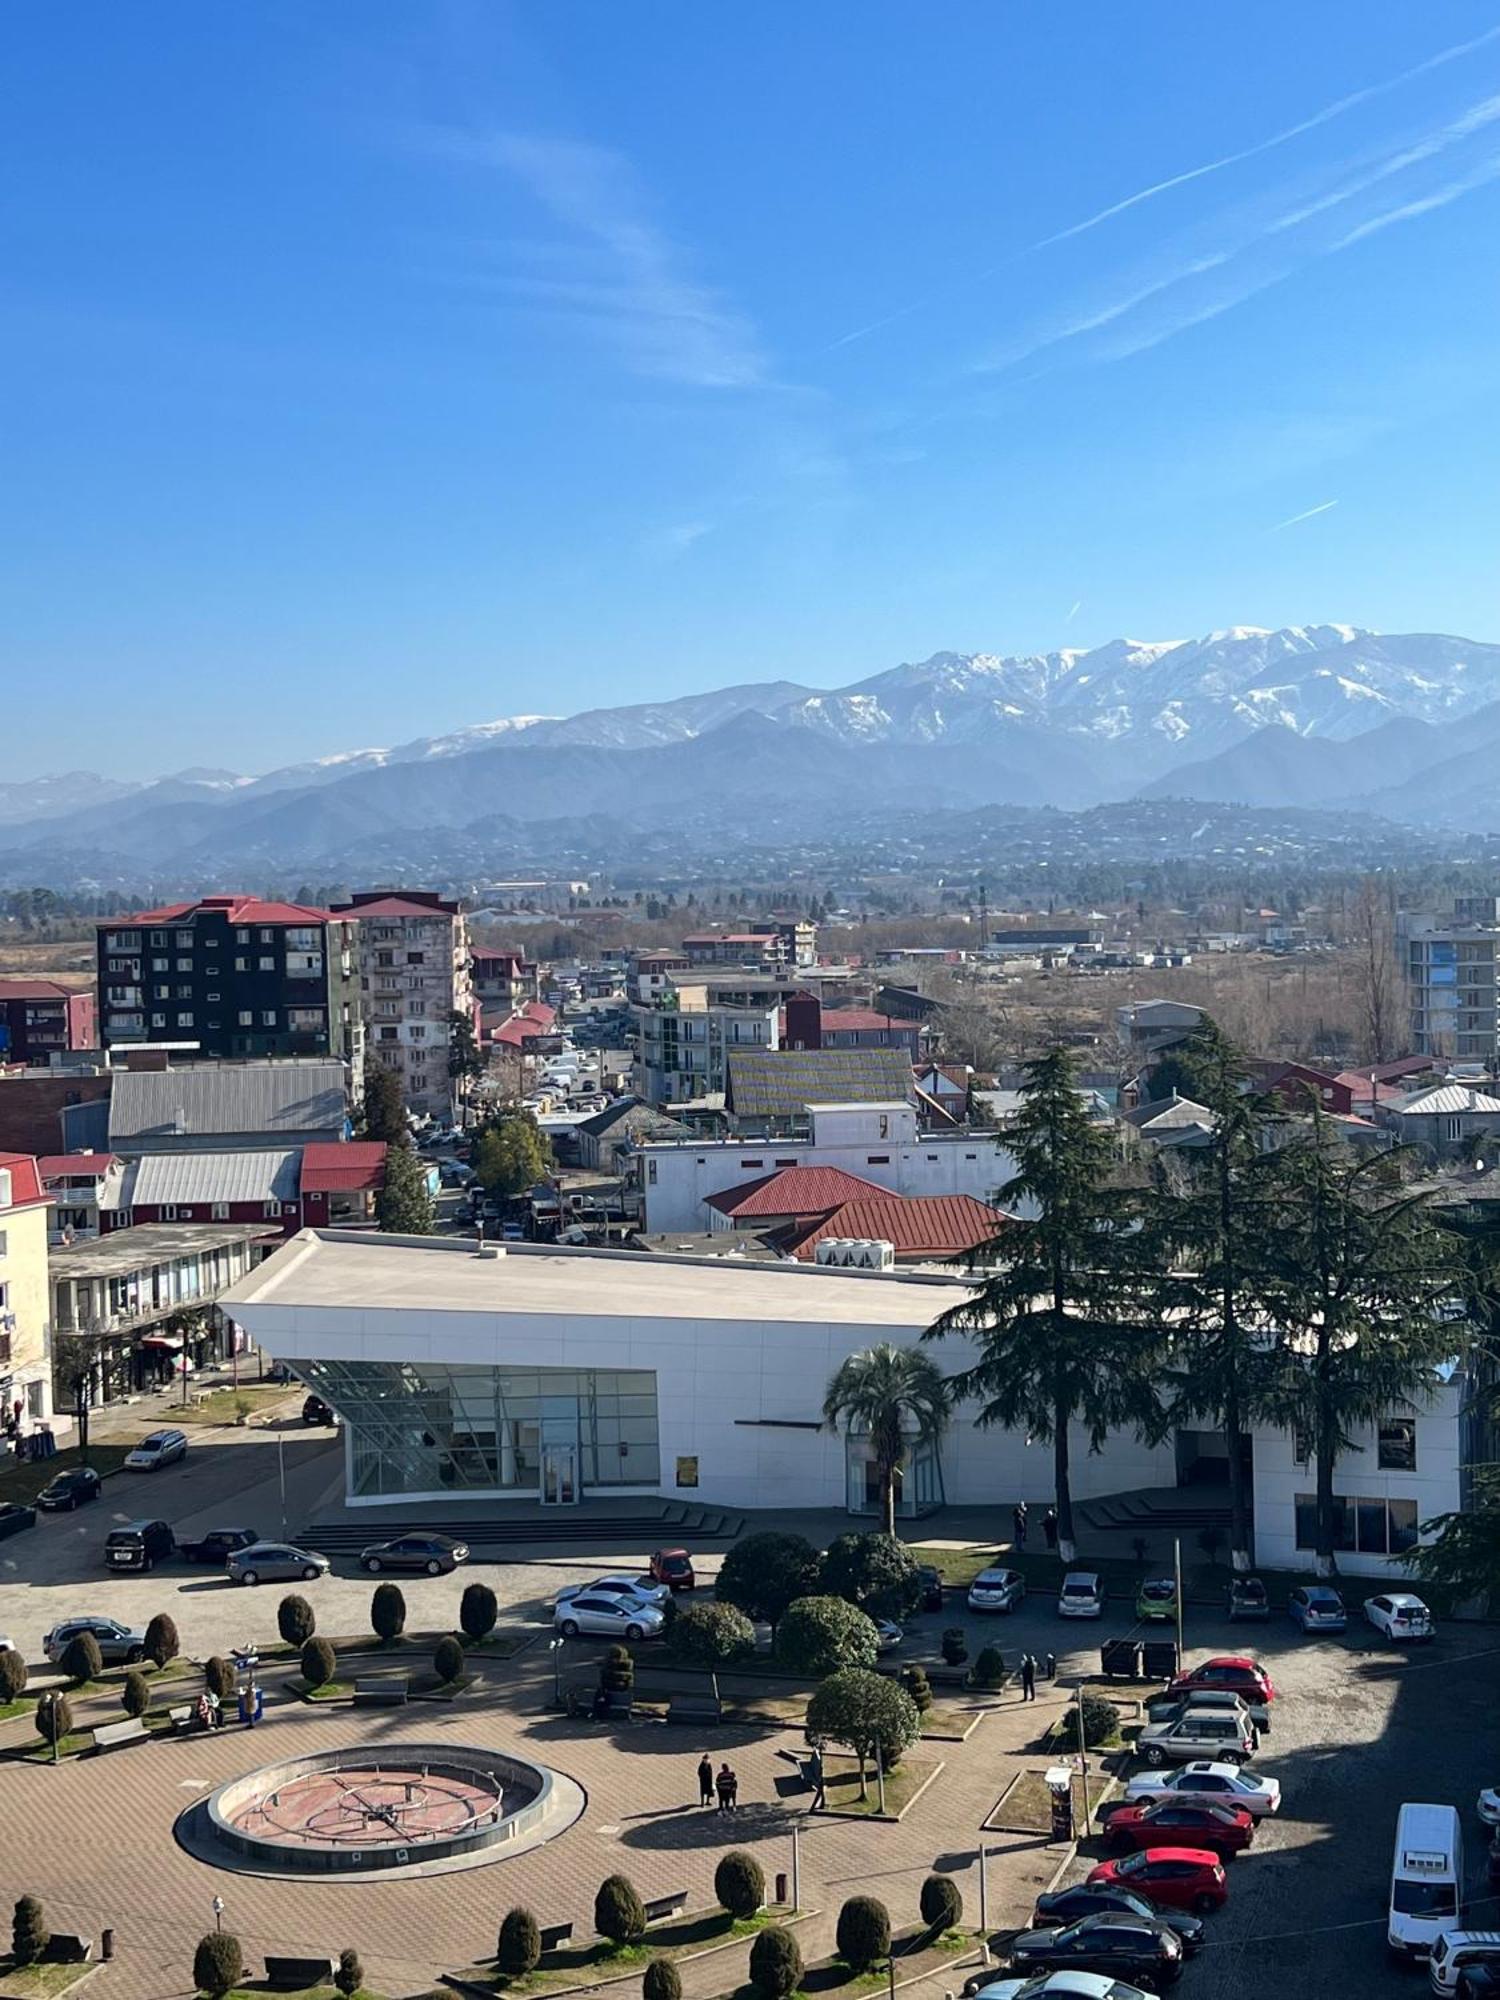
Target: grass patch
(23,1479)
(258,1989)
(499,1646)
(595,1964)
(227,1406)
(1026,1806)
(841,1776)
(914,1952)
(329,1691)
(427,1687)
(38,1752)
(38,1982)
(22,1705)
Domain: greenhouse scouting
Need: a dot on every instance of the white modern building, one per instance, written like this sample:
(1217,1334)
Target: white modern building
(877,1142)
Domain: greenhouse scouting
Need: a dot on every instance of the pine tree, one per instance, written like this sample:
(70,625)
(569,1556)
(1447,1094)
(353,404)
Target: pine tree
(403,1206)
(1061,1321)
(384,1111)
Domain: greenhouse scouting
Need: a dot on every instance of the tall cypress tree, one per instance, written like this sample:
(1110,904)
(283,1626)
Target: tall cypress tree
(1061,1320)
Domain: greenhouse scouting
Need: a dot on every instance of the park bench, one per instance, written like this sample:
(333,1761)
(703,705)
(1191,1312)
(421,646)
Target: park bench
(552,1935)
(116,1735)
(67,1948)
(695,1708)
(666,1906)
(299,1972)
(381,1690)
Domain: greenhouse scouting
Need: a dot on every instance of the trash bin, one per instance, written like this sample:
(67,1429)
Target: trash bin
(1160,1659)
(1119,1659)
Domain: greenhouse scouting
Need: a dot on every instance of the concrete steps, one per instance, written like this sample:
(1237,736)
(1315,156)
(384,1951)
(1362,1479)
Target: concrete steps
(561,1526)
(1163,1510)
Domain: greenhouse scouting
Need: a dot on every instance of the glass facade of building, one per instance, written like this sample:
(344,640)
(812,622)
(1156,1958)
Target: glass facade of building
(919,1490)
(553,1432)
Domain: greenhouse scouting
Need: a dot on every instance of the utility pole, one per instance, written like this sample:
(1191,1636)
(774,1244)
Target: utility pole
(1083,1758)
(1177,1572)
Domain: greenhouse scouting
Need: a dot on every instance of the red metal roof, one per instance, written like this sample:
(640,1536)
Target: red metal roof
(25,1181)
(540,1012)
(862,1017)
(357,1165)
(792,1191)
(59,1166)
(919,1226)
(397,905)
(35,989)
(511,1034)
(238,909)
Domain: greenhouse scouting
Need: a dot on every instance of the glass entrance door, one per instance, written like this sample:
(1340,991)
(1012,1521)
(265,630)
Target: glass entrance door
(559,1475)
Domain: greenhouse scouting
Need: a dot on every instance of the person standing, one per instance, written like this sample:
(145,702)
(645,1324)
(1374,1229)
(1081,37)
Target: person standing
(1018,1523)
(724,1786)
(705,1780)
(1049,1527)
(1028,1677)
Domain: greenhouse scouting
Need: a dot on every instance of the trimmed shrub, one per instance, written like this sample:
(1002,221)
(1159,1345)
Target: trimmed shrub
(819,1635)
(955,1646)
(763,1574)
(876,1572)
(447,1659)
(54,1718)
(162,1642)
(662,1981)
(477,1611)
(520,1944)
(135,1696)
(218,1964)
(12,1674)
(619,1913)
(617,1670)
(218,1677)
(296,1620)
(775,1963)
(740,1884)
(1101,1721)
(82,1660)
(319,1663)
(387,1611)
(914,1680)
(709,1635)
(989,1668)
(864,1932)
(29,1935)
(941,1903)
(350,1975)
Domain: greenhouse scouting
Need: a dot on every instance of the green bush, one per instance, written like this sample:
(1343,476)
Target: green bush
(296,1620)
(29,1935)
(955,1646)
(989,1668)
(162,1642)
(819,1635)
(82,1660)
(387,1611)
(775,1963)
(477,1611)
(135,1696)
(914,1680)
(662,1981)
(351,1974)
(763,1574)
(12,1674)
(1101,1721)
(709,1635)
(876,1572)
(617,1670)
(740,1884)
(54,1718)
(619,1913)
(218,1677)
(864,1932)
(520,1944)
(218,1964)
(319,1663)
(941,1903)
(447,1659)
(865,1711)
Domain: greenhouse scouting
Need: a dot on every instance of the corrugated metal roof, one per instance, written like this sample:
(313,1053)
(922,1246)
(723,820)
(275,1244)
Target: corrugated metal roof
(1445,1098)
(345,1169)
(917,1226)
(74,1166)
(781,1083)
(288,1098)
(793,1191)
(186,1179)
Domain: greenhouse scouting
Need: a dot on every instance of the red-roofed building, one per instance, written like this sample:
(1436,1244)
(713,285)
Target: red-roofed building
(922,1228)
(503,980)
(412,948)
(25,1351)
(75,1181)
(807,1024)
(39,1019)
(795,1194)
(233,976)
(339,1183)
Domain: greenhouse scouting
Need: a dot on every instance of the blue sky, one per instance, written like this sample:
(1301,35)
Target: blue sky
(375,368)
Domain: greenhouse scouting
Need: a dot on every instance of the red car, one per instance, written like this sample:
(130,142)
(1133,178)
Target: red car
(674,1568)
(1236,1671)
(1228,1830)
(1178,1878)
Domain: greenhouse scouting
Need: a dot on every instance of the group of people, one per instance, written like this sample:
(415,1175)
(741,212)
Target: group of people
(723,1785)
(1019,1518)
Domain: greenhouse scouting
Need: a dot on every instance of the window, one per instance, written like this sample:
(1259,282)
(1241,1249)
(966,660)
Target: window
(651,1173)
(161,965)
(242,937)
(213,996)
(272,1210)
(268,937)
(220,1211)
(184,940)
(247,1019)
(266,965)
(877,1159)
(184,992)
(242,965)
(1396,1449)
(416,958)
(158,1020)
(268,1017)
(1373,1526)
(1302,1444)
(184,1020)
(158,938)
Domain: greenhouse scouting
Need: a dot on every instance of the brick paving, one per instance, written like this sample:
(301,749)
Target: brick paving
(98,1845)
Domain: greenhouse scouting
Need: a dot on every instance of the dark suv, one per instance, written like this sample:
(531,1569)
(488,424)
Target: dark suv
(138,1545)
(316,1411)
(69,1489)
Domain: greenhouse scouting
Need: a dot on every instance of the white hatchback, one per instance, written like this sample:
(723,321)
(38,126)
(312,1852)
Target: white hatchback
(1081,1596)
(997,1590)
(1399,1615)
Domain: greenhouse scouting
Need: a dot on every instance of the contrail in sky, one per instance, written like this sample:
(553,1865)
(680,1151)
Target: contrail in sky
(1292,521)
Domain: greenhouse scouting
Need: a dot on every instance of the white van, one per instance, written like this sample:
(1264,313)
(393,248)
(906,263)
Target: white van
(1456,1950)
(1427,1875)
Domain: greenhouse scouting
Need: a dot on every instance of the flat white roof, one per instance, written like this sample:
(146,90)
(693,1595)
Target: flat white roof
(361,1269)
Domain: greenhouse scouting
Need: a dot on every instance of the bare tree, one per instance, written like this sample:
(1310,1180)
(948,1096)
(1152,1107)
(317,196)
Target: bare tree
(1377,974)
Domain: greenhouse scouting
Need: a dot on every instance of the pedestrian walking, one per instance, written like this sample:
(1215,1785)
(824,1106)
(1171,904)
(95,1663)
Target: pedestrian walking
(724,1785)
(1049,1527)
(816,1779)
(705,1780)
(1028,1677)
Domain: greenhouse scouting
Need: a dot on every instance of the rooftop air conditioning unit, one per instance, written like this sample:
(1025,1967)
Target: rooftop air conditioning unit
(869,1253)
(834,1250)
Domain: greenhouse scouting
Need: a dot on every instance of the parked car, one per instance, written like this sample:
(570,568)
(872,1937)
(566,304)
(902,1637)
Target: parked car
(1184,1878)
(1168,1708)
(674,1568)
(1085,1899)
(1081,1596)
(997,1590)
(1488,1805)
(217,1545)
(274,1562)
(1053,1986)
(1213,1733)
(888,1634)
(159,1449)
(1142,1949)
(1317,1607)
(66,1490)
(1212,1783)
(1456,1953)
(607,1617)
(421,1555)
(1479,1981)
(14,1517)
(1237,1671)
(1399,1615)
(316,1411)
(629,1589)
(1156,1600)
(931,1581)
(1247,1597)
(119,1645)
(138,1545)
(1228,1830)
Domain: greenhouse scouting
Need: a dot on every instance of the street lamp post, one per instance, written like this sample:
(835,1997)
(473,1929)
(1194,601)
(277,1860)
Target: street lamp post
(555,1648)
(218,1909)
(281,1476)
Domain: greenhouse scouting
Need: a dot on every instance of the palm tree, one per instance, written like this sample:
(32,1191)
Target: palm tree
(898,1398)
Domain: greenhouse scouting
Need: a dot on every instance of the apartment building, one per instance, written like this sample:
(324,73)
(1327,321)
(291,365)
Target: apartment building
(414,962)
(25,1356)
(503,980)
(1448,963)
(683,1044)
(40,1019)
(231,976)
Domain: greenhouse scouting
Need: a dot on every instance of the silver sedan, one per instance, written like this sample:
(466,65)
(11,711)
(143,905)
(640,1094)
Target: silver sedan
(274,1562)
